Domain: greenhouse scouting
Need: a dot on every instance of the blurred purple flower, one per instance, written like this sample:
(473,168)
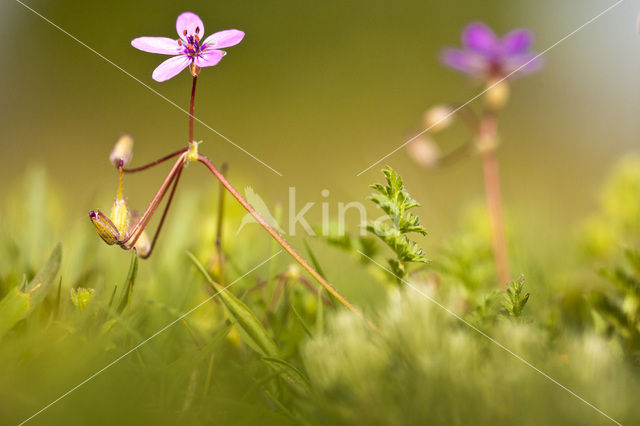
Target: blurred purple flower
(190,51)
(488,57)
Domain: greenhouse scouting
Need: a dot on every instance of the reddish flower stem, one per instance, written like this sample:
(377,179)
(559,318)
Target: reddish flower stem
(191,104)
(144,220)
(488,131)
(164,213)
(276,236)
(155,163)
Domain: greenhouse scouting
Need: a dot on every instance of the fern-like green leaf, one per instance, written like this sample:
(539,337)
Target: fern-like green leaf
(395,201)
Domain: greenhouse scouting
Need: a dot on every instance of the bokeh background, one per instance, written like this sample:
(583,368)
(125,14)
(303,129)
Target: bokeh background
(319,91)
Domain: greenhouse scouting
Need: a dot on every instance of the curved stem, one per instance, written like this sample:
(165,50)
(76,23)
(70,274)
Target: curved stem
(155,163)
(276,236)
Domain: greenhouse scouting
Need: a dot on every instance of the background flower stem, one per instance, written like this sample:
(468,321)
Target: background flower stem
(494,201)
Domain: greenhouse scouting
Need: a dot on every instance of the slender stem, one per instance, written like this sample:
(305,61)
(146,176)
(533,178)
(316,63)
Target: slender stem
(276,236)
(494,201)
(467,116)
(155,163)
(191,104)
(120,182)
(144,220)
(454,155)
(164,213)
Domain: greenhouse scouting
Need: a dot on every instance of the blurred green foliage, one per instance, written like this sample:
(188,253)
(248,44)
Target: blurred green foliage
(272,348)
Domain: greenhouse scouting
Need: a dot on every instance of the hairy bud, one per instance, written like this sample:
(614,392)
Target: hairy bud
(438,118)
(497,96)
(424,152)
(122,151)
(105,228)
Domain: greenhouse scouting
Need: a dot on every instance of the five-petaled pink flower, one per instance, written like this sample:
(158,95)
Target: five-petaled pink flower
(489,57)
(190,50)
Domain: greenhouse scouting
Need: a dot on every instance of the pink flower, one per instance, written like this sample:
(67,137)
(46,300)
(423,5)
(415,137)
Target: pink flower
(487,56)
(190,51)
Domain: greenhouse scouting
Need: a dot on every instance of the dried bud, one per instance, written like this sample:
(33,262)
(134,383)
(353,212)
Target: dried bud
(143,245)
(424,152)
(438,118)
(497,96)
(120,216)
(122,151)
(105,228)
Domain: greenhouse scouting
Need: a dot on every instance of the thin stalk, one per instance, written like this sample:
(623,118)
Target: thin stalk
(153,205)
(454,155)
(164,213)
(276,236)
(494,201)
(155,163)
(191,104)
(120,182)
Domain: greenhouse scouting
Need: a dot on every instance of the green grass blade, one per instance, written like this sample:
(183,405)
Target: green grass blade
(250,328)
(40,285)
(129,282)
(13,307)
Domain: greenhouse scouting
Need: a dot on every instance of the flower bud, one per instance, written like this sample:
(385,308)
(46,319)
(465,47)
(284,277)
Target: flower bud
(424,152)
(438,118)
(122,151)
(105,228)
(497,96)
(120,216)
(143,245)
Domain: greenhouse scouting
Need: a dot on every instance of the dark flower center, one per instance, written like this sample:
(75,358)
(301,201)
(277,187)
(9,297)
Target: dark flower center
(496,68)
(192,46)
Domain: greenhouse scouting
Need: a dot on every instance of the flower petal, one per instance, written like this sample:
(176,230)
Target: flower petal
(209,58)
(221,39)
(162,45)
(468,62)
(524,64)
(191,23)
(517,41)
(171,67)
(478,37)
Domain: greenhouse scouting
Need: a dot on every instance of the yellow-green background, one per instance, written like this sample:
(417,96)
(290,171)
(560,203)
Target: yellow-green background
(318,90)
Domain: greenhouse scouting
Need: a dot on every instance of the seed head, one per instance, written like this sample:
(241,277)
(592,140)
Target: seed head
(105,228)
